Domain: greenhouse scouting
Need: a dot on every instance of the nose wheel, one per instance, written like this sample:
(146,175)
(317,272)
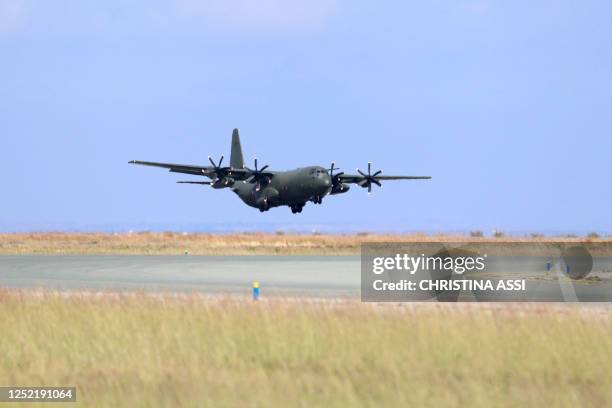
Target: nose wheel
(296,208)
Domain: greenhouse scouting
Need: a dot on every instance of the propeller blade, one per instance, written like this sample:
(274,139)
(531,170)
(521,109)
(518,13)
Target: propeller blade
(263,168)
(361,172)
(376,182)
(369,167)
(211,161)
(369,188)
(377,173)
(220,160)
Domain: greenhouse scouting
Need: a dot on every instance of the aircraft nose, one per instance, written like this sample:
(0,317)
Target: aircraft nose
(325,181)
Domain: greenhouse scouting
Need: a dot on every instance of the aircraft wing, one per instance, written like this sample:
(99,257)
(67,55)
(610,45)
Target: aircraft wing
(208,171)
(357,178)
(179,168)
(366,180)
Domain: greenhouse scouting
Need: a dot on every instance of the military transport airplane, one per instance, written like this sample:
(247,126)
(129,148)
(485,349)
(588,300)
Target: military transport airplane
(263,189)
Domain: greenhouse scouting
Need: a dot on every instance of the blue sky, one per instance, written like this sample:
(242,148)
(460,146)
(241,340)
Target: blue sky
(508,105)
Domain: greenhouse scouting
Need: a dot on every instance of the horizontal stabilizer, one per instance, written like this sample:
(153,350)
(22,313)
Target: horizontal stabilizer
(205,183)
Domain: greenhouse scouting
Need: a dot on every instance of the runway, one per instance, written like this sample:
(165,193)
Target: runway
(307,276)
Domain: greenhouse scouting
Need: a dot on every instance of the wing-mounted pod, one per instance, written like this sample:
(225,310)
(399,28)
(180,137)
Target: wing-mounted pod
(223,183)
(340,189)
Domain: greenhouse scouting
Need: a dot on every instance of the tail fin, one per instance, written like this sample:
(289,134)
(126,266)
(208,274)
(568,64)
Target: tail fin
(236,160)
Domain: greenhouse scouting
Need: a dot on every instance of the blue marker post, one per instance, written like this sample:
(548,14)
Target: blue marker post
(548,266)
(255,290)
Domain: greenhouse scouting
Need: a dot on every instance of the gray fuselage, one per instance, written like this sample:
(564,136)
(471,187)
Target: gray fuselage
(293,187)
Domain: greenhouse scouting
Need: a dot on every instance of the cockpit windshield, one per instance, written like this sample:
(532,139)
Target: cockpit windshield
(317,172)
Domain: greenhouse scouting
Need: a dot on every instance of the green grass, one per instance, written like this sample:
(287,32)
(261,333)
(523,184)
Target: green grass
(193,351)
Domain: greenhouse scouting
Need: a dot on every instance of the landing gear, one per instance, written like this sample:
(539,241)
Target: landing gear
(296,208)
(317,200)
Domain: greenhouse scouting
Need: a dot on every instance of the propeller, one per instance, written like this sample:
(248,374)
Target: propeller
(331,171)
(369,178)
(221,173)
(258,176)
(335,178)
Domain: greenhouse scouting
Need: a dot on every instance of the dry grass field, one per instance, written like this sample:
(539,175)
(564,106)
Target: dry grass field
(170,243)
(162,350)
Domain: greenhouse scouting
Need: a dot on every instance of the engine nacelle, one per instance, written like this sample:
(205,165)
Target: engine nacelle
(340,189)
(224,182)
